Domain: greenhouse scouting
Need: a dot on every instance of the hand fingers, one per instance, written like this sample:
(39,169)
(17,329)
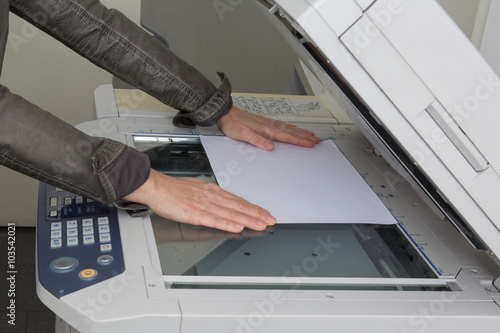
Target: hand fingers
(190,200)
(262,142)
(253,137)
(260,131)
(227,219)
(276,130)
(226,211)
(290,134)
(211,220)
(299,139)
(242,204)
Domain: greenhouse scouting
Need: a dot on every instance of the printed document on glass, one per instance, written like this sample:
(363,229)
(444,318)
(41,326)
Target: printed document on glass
(296,184)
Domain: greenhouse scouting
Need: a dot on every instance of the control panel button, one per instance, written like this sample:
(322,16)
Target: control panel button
(79,200)
(71,232)
(102,220)
(72,224)
(55,226)
(53,213)
(55,243)
(87,222)
(88,230)
(67,201)
(63,264)
(105,259)
(56,234)
(53,201)
(87,274)
(106,247)
(104,238)
(72,241)
(103,229)
(89,239)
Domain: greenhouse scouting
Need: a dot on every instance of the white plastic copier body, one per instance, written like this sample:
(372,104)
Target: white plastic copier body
(425,108)
(420,78)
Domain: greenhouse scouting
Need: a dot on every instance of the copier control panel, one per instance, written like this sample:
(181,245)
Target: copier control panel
(78,241)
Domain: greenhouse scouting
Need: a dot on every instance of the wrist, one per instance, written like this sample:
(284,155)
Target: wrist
(146,191)
(231,114)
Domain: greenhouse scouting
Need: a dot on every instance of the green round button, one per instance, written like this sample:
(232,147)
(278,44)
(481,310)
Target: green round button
(63,264)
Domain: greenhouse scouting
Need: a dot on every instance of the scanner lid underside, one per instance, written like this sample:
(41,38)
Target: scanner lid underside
(418,89)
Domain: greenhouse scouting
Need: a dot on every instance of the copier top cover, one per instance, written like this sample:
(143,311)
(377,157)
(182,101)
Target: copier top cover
(419,90)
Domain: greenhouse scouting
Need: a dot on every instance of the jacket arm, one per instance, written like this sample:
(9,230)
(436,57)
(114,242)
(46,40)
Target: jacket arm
(36,143)
(110,40)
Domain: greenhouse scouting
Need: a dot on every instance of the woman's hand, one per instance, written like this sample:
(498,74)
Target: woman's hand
(260,131)
(193,201)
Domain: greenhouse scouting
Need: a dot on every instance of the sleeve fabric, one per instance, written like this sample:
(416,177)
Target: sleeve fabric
(110,40)
(36,143)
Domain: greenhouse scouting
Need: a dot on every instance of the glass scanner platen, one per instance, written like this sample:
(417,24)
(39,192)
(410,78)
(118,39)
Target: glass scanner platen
(176,156)
(284,251)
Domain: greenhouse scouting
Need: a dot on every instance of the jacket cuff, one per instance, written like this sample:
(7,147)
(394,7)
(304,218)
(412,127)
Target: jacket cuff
(121,169)
(211,111)
(134,209)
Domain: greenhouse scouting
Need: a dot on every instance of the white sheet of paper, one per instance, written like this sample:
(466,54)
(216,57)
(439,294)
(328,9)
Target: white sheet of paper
(296,184)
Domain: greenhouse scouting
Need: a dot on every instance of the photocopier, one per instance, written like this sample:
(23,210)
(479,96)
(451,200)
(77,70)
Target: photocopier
(423,132)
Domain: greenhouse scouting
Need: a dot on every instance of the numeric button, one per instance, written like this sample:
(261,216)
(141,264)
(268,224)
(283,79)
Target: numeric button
(103,229)
(88,239)
(102,220)
(72,232)
(105,238)
(87,222)
(72,241)
(72,224)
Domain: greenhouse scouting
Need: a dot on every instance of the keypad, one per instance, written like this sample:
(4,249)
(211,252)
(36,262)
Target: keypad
(91,230)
